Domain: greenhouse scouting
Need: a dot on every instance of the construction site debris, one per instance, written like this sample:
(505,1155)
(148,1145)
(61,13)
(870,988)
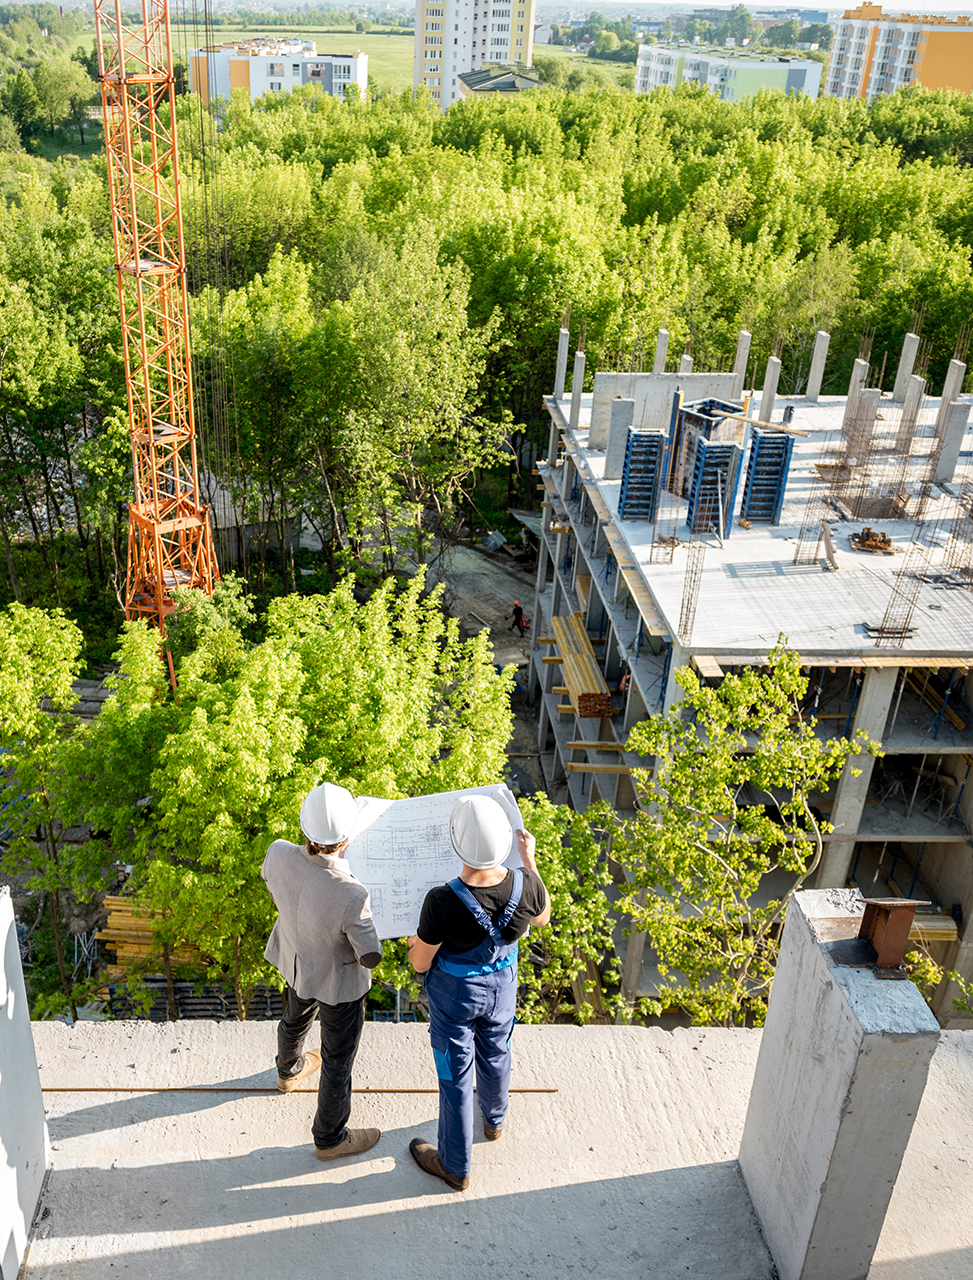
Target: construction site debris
(879,544)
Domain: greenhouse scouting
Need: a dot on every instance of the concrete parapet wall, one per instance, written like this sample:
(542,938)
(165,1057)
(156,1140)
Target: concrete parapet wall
(24,1150)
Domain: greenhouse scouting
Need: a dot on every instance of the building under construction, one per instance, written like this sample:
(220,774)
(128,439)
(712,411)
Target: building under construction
(689,521)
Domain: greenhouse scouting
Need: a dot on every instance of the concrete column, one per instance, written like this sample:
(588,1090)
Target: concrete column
(951,389)
(742,354)
(540,582)
(859,372)
(740,363)
(24,1144)
(768,395)
(952,440)
(842,1067)
(577,382)
(543,724)
(685,363)
(953,385)
(874,703)
(907,362)
(915,389)
(623,414)
(863,427)
(819,356)
(661,350)
(562,364)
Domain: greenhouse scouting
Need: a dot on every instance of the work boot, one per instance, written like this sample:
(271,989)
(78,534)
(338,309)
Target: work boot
(312,1061)
(426,1157)
(353,1143)
(490,1133)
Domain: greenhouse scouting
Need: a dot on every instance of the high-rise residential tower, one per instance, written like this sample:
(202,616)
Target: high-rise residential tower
(876,52)
(454,36)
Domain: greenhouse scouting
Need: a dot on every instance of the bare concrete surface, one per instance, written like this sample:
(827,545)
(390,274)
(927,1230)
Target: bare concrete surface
(628,1171)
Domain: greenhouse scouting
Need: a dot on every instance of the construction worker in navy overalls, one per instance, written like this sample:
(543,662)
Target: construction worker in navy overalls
(467,947)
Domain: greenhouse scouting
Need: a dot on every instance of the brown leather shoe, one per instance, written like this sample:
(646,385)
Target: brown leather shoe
(426,1157)
(312,1061)
(353,1143)
(491,1134)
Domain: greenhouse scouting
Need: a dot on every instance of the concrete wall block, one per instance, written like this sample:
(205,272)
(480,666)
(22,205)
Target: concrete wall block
(24,1145)
(842,1067)
(740,361)
(686,363)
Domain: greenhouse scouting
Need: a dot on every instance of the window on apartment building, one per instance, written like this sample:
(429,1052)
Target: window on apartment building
(519,43)
(296,68)
(520,27)
(520,13)
(434,13)
(500,26)
(434,26)
(275,87)
(501,13)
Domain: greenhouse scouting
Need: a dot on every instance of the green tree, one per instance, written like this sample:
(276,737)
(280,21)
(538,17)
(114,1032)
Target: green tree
(731,801)
(40,658)
(59,84)
(21,103)
(784,34)
(384,698)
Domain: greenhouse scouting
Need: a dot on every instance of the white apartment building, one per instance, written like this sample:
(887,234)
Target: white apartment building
(876,53)
(726,73)
(454,36)
(266,65)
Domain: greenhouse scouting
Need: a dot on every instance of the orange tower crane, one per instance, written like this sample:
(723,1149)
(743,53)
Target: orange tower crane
(170,543)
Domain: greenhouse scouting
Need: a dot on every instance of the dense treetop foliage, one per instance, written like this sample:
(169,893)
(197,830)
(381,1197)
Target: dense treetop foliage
(380,286)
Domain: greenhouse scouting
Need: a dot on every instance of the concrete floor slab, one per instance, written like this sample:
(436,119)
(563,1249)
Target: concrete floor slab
(628,1171)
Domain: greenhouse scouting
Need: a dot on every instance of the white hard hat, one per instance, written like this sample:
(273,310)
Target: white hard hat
(480,832)
(328,814)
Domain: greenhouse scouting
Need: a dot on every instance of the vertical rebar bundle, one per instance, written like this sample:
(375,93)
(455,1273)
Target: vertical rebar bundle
(694,571)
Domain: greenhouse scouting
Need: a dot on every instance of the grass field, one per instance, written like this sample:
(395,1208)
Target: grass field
(389,56)
(615,69)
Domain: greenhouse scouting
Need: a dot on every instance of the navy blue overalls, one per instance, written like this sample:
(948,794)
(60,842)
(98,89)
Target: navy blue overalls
(472,1005)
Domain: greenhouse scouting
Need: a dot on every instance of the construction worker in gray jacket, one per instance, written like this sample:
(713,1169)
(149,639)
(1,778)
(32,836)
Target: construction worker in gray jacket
(324,945)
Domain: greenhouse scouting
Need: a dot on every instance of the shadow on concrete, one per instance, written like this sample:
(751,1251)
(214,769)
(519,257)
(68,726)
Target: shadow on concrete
(247,1216)
(133,1108)
(951,1264)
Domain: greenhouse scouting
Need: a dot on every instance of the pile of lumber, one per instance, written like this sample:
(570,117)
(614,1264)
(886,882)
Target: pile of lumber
(129,935)
(582,677)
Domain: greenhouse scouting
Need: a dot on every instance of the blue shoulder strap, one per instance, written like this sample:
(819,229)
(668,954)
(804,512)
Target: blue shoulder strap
(480,915)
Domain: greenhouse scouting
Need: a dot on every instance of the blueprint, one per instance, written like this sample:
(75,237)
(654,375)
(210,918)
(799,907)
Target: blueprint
(400,849)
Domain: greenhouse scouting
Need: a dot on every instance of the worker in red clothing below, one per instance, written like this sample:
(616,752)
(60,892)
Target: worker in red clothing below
(466,945)
(518,616)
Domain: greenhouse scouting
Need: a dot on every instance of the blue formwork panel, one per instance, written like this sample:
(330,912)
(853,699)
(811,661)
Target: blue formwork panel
(767,470)
(642,474)
(716,475)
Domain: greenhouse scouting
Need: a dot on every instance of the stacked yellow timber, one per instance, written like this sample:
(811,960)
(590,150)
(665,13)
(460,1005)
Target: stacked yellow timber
(130,935)
(584,682)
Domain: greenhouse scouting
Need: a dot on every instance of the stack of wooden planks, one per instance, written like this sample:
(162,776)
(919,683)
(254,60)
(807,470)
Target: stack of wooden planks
(584,682)
(130,935)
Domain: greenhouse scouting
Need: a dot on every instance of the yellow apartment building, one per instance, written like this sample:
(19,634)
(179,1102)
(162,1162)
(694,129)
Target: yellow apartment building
(876,52)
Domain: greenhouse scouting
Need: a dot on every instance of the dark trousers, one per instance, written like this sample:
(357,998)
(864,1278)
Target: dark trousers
(341,1027)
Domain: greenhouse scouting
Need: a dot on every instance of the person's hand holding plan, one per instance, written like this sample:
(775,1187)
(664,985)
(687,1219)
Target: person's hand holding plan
(400,849)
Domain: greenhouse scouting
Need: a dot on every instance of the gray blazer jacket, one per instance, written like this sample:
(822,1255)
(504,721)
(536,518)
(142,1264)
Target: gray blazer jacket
(324,924)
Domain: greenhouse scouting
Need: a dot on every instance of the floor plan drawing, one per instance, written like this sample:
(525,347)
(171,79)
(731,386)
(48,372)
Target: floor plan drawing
(401,849)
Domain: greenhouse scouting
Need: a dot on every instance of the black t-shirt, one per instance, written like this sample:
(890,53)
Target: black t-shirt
(445,919)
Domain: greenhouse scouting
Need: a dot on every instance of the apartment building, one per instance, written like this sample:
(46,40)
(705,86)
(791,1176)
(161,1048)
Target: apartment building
(876,53)
(728,74)
(267,65)
(689,521)
(456,36)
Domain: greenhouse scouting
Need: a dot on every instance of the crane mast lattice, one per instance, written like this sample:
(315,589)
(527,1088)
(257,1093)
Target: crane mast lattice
(170,543)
